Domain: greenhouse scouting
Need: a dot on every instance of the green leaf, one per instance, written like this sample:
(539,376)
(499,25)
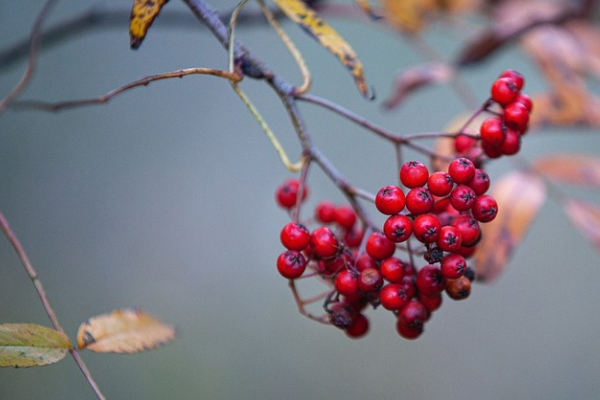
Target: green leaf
(29,345)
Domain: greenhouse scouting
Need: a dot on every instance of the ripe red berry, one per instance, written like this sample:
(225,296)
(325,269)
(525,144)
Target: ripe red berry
(440,183)
(392,270)
(480,182)
(413,315)
(370,280)
(485,208)
(461,170)
(516,77)
(458,289)
(512,143)
(413,174)
(431,303)
(430,280)
(427,228)
(325,212)
(491,150)
(466,252)
(291,264)
(419,200)
(408,332)
(295,236)
(469,229)
(353,237)
(450,238)
(358,328)
(390,200)
(393,296)
(463,143)
(453,266)
(493,131)
(345,217)
(323,243)
(516,115)
(504,91)
(462,198)
(365,261)
(397,228)
(346,282)
(287,193)
(525,100)
(380,247)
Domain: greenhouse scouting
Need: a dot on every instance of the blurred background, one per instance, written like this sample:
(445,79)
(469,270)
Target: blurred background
(163,199)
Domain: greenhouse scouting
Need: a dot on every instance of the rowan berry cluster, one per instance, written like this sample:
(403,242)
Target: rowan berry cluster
(433,221)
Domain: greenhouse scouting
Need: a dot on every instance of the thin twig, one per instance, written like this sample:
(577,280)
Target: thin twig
(324,319)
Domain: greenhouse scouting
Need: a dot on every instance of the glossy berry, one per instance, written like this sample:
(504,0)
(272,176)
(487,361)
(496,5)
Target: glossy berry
(390,200)
(450,238)
(469,229)
(408,332)
(440,183)
(345,217)
(463,143)
(295,236)
(458,289)
(461,170)
(466,252)
(525,100)
(370,280)
(426,228)
(397,228)
(393,296)
(462,198)
(515,76)
(353,237)
(346,282)
(365,261)
(490,150)
(287,193)
(453,266)
(291,264)
(392,270)
(323,243)
(419,201)
(380,247)
(430,280)
(413,315)
(431,303)
(516,115)
(358,328)
(485,208)
(480,182)
(512,143)
(493,131)
(413,174)
(325,212)
(504,91)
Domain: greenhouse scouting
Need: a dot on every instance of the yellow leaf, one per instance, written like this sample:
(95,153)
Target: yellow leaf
(407,15)
(29,345)
(142,16)
(123,331)
(519,196)
(366,6)
(579,169)
(310,21)
(586,219)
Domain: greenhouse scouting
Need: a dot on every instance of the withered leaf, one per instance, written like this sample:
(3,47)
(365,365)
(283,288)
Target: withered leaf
(123,331)
(415,78)
(520,196)
(142,16)
(586,218)
(29,345)
(581,169)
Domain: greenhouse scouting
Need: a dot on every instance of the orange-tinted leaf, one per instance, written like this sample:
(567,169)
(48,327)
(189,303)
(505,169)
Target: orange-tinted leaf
(310,21)
(519,196)
(142,16)
(29,345)
(418,77)
(407,15)
(580,169)
(366,6)
(586,218)
(123,331)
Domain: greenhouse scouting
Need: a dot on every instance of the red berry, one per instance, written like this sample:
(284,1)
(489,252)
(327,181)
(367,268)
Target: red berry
(291,264)
(469,229)
(458,289)
(516,115)
(450,238)
(413,174)
(516,77)
(430,280)
(440,183)
(413,315)
(453,266)
(463,143)
(485,208)
(393,296)
(365,261)
(493,131)
(295,236)
(341,315)
(345,217)
(390,200)
(397,228)
(323,243)
(370,280)
(431,303)
(358,328)
(427,228)
(525,100)
(462,198)
(504,91)
(466,252)
(353,237)
(408,332)
(512,143)
(392,270)
(461,170)
(287,193)
(380,247)
(419,200)
(346,282)
(491,150)
(480,182)
(325,212)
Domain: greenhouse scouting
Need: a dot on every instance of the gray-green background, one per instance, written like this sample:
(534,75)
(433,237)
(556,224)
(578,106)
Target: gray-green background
(163,199)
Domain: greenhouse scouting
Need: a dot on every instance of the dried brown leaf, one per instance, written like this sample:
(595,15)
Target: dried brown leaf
(418,77)
(586,218)
(123,331)
(579,169)
(520,196)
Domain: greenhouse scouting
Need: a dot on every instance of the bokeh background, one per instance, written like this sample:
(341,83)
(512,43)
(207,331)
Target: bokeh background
(163,199)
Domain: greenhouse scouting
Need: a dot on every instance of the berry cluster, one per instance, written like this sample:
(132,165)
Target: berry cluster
(433,219)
